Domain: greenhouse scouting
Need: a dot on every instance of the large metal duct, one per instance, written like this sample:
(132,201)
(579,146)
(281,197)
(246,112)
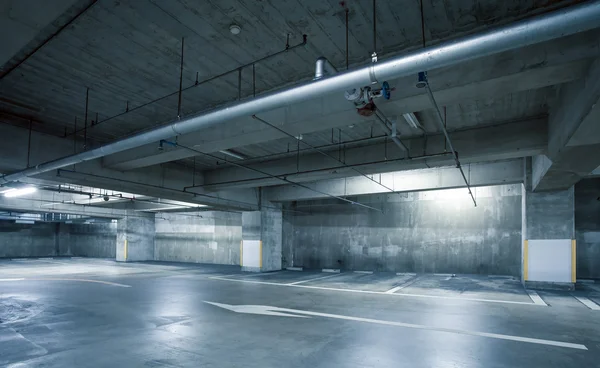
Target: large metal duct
(560,23)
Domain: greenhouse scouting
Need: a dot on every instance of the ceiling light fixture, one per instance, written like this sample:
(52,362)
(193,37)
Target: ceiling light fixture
(28,222)
(235,29)
(233,154)
(19,192)
(412,120)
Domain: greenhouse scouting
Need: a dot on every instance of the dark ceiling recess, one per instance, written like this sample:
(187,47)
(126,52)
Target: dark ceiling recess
(45,42)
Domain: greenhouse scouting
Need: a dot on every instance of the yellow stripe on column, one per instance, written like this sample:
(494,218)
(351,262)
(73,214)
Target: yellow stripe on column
(241,252)
(125,251)
(525,260)
(260,254)
(573,260)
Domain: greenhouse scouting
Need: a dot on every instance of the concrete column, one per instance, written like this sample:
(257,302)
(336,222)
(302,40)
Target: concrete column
(548,223)
(272,235)
(135,237)
(262,232)
(550,215)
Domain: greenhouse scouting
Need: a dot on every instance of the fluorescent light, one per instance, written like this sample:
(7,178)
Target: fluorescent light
(233,154)
(30,222)
(19,192)
(412,120)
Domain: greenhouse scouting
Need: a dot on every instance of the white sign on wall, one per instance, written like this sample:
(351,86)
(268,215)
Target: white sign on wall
(550,260)
(252,253)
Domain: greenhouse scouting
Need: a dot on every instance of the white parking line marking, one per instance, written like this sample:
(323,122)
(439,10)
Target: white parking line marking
(294,268)
(317,278)
(331,270)
(376,292)
(536,298)
(587,302)
(406,274)
(406,284)
(262,273)
(393,290)
(68,279)
(364,272)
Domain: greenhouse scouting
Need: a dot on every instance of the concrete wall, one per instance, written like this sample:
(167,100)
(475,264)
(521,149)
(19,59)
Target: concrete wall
(550,215)
(87,240)
(435,231)
(587,228)
(24,240)
(203,237)
(57,239)
(135,237)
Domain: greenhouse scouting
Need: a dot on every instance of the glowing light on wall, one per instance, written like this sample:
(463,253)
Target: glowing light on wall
(19,192)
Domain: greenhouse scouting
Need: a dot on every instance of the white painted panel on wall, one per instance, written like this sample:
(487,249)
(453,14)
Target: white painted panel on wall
(550,260)
(251,253)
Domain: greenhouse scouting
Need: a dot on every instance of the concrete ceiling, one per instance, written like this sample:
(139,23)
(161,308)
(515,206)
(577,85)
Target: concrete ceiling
(128,54)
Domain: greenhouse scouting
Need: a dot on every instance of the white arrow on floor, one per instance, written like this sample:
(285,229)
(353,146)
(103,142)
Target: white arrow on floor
(285,312)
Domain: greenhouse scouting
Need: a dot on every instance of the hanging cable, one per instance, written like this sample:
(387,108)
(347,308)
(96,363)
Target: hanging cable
(375,27)
(180,81)
(347,36)
(422,25)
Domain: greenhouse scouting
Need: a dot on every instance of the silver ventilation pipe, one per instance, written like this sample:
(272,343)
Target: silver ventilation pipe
(324,68)
(560,23)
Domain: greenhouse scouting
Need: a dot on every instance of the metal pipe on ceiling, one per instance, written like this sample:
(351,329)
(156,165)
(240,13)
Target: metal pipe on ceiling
(61,172)
(278,177)
(559,23)
(200,83)
(322,152)
(254,159)
(296,173)
(443,128)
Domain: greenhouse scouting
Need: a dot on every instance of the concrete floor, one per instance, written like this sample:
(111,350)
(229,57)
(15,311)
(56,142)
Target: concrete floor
(98,313)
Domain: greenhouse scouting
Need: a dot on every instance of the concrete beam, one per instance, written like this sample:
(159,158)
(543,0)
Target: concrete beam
(595,173)
(164,181)
(479,174)
(44,201)
(538,66)
(492,143)
(573,135)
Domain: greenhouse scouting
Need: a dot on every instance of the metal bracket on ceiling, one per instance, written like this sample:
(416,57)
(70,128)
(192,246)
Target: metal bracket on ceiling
(372,68)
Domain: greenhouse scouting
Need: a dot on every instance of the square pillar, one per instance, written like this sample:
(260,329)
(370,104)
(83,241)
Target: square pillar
(549,239)
(261,239)
(135,237)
